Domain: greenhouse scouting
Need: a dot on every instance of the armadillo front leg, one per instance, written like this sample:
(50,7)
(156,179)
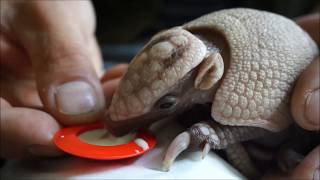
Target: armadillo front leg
(210,135)
(220,136)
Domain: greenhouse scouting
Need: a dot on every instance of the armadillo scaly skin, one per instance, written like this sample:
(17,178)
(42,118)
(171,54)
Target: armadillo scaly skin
(267,53)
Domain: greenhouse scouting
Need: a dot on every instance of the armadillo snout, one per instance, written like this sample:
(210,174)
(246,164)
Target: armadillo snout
(125,126)
(118,128)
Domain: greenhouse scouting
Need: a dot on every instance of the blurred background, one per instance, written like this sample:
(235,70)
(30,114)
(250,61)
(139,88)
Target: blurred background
(124,26)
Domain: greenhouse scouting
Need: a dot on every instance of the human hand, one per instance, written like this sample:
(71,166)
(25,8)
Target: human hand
(306,96)
(306,102)
(305,110)
(50,63)
(305,106)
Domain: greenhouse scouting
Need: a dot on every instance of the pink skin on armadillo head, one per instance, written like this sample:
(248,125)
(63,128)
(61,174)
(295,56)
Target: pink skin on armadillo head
(174,71)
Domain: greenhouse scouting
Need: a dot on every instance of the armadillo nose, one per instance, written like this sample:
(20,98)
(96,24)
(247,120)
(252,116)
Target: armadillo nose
(116,128)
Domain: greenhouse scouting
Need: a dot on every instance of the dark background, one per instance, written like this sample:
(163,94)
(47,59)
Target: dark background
(123,26)
(123,21)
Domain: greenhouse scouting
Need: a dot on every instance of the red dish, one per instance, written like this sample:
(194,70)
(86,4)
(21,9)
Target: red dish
(68,141)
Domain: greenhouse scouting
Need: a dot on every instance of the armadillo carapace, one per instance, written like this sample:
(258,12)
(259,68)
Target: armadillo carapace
(242,62)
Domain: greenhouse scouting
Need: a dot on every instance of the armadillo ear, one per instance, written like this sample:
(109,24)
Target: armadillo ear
(210,71)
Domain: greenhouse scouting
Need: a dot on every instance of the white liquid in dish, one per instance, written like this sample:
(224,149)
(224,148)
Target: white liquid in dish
(142,143)
(101,137)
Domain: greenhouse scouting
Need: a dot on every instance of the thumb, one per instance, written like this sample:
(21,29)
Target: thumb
(61,46)
(305,102)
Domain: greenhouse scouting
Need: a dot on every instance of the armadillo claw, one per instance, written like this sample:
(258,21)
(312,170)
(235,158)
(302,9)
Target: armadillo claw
(166,165)
(205,150)
(178,145)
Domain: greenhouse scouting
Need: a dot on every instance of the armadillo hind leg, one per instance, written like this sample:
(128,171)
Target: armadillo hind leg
(209,135)
(239,158)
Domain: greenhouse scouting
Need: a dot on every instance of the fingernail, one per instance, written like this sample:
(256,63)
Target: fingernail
(312,107)
(42,150)
(74,98)
(316,174)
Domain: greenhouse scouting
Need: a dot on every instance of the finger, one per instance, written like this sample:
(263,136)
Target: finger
(111,80)
(310,23)
(14,58)
(306,96)
(25,131)
(94,51)
(4,104)
(309,168)
(109,88)
(115,72)
(19,92)
(66,79)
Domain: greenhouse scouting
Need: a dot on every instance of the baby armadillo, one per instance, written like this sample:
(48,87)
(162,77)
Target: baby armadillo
(242,62)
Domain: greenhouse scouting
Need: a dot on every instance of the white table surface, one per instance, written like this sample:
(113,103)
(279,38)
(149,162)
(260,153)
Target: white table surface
(188,165)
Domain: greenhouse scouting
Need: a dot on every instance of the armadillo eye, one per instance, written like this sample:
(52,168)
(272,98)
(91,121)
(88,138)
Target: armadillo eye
(166,105)
(167,102)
